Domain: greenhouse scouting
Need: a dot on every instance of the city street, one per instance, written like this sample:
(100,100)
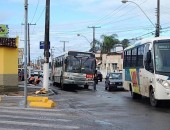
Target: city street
(88,110)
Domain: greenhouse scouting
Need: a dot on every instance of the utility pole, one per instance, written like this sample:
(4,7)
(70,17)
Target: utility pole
(28,46)
(29,59)
(46,46)
(64,46)
(157,33)
(94,41)
(25,54)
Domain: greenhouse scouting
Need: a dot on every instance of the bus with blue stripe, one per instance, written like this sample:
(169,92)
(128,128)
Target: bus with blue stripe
(146,69)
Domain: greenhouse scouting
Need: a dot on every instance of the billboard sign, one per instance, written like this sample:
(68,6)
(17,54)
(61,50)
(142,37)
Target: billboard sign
(4,30)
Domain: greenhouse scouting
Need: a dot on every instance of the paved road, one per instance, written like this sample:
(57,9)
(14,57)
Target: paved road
(116,110)
(89,110)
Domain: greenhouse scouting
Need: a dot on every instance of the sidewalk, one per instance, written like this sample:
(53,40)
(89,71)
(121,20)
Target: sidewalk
(16,99)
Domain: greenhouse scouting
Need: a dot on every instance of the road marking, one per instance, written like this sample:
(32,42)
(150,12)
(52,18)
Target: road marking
(36,118)
(10,129)
(39,125)
(32,113)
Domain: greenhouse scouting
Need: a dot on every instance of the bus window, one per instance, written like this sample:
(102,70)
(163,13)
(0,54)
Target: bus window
(140,55)
(128,57)
(124,60)
(134,57)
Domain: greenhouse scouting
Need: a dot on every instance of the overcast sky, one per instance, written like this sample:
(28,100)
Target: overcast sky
(71,17)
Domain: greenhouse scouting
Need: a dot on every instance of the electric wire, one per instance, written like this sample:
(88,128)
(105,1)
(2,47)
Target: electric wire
(35,11)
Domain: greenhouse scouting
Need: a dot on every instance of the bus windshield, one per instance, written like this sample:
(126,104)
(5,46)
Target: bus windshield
(80,64)
(162,53)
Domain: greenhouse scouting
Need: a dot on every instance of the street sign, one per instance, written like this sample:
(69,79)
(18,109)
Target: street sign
(42,45)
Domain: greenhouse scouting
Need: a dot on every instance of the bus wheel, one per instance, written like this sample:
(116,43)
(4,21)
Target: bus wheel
(86,86)
(63,87)
(54,84)
(62,84)
(153,101)
(134,95)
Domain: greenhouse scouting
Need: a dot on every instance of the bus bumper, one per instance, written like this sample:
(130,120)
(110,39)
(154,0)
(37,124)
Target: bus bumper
(67,81)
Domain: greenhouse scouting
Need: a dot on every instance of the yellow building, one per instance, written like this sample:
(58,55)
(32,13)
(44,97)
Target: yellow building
(8,64)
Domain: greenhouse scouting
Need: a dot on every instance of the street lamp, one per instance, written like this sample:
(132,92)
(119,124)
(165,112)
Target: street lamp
(125,1)
(84,37)
(158,16)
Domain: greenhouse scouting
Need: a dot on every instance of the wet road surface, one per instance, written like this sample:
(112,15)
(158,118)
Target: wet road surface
(85,109)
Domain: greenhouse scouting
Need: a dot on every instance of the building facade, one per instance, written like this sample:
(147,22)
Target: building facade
(112,62)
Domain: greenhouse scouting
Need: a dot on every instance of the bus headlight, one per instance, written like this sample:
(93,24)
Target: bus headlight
(164,83)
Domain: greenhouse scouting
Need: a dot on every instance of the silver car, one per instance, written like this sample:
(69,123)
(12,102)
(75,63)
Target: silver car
(113,81)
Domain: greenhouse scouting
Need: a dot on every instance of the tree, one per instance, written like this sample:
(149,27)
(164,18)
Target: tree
(108,42)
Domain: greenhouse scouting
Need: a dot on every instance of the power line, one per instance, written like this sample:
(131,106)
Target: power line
(110,13)
(39,18)
(35,11)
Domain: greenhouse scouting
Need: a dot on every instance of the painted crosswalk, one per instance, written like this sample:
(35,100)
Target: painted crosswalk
(35,119)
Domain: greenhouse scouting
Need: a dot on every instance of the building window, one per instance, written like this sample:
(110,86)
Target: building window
(114,66)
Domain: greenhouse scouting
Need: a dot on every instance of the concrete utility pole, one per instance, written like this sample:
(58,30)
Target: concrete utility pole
(25,54)
(29,59)
(157,33)
(46,47)
(64,45)
(93,46)
(28,46)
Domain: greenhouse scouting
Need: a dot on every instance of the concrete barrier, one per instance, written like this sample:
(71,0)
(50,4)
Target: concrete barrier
(38,101)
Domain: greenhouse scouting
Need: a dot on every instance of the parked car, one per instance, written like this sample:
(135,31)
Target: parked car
(38,73)
(113,81)
(99,76)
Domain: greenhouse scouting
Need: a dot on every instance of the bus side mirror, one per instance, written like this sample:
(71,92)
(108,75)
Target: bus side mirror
(149,57)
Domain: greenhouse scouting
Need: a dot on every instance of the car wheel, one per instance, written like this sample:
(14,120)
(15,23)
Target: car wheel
(86,86)
(100,80)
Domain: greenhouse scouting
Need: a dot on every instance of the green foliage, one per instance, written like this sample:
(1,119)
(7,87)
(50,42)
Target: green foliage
(125,43)
(108,43)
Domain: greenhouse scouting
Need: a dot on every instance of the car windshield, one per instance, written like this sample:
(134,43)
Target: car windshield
(162,53)
(116,75)
(80,64)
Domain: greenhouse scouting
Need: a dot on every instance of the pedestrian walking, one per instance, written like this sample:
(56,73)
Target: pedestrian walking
(95,80)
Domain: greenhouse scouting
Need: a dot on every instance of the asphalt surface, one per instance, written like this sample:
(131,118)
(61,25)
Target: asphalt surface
(85,109)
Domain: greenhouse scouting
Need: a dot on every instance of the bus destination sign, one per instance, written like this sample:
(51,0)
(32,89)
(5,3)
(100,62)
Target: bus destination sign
(81,54)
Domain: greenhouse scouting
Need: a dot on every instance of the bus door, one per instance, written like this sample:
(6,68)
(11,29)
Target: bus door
(146,76)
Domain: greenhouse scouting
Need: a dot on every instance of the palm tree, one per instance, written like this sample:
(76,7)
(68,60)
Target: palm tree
(108,42)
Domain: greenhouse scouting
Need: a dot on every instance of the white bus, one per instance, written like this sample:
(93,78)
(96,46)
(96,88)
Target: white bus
(74,68)
(146,69)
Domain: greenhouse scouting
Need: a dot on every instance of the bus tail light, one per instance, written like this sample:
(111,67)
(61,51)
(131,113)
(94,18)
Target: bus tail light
(89,76)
